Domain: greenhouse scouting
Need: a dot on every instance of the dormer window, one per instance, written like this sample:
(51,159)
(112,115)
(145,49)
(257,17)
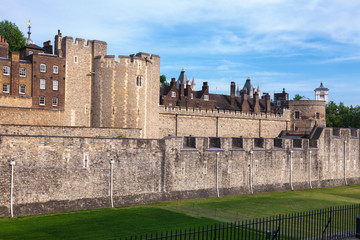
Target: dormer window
(206,97)
(173,94)
(42,68)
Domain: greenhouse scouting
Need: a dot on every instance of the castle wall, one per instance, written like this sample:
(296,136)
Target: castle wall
(126,92)
(70,173)
(202,123)
(78,80)
(29,116)
(69,131)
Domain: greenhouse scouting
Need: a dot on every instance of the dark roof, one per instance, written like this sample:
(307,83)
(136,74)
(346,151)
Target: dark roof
(182,77)
(248,85)
(33,46)
(321,87)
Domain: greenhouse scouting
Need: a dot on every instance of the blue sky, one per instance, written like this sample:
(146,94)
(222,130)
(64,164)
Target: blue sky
(278,43)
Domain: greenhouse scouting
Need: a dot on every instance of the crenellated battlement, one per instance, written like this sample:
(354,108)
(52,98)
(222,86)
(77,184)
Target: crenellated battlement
(132,59)
(224,113)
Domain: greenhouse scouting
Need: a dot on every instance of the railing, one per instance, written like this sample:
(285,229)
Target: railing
(330,223)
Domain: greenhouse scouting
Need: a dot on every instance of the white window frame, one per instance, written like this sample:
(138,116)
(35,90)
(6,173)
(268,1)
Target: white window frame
(56,69)
(173,94)
(55,85)
(42,84)
(42,67)
(191,96)
(55,101)
(22,87)
(6,70)
(206,97)
(22,72)
(6,88)
(42,103)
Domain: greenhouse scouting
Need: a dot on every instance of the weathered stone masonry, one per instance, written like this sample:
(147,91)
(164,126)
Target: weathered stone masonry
(69,173)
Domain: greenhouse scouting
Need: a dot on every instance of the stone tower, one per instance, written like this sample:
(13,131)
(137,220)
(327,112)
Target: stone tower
(79,76)
(126,92)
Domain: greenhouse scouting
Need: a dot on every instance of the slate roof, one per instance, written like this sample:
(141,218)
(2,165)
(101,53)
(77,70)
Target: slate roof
(182,78)
(321,88)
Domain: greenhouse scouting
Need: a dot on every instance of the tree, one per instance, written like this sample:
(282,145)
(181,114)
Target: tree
(13,35)
(342,116)
(163,82)
(297,97)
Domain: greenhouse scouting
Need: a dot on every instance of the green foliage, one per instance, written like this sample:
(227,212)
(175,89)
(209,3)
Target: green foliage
(120,136)
(126,221)
(13,35)
(342,116)
(163,82)
(297,97)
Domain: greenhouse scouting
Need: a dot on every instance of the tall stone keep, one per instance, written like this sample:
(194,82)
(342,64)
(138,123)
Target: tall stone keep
(126,92)
(79,76)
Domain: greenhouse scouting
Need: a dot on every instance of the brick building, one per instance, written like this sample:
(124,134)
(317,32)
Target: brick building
(35,77)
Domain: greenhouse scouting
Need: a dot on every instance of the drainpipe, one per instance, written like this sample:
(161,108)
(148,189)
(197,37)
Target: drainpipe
(12,164)
(345,163)
(310,169)
(291,167)
(111,183)
(250,172)
(217,174)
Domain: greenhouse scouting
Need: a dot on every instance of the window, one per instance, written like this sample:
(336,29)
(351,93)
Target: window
(31,52)
(42,83)
(6,88)
(191,95)
(6,70)
(206,97)
(42,68)
(75,59)
(22,72)
(55,69)
(317,115)
(55,101)
(297,115)
(322,96)
(173,94)
(138,80)
(86,160)
(278,103)
(55,85)
(42,101)
(22,89)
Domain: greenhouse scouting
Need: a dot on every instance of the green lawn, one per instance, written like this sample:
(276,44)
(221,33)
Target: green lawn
(126,221)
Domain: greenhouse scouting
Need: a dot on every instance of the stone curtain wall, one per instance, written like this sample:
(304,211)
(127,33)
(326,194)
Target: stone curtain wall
(197,122)
(69,131)
(70,173)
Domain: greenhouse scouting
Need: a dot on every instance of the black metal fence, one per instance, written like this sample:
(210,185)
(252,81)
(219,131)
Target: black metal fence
(329,223)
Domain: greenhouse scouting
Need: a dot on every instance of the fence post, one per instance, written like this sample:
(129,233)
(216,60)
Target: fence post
(358,227)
